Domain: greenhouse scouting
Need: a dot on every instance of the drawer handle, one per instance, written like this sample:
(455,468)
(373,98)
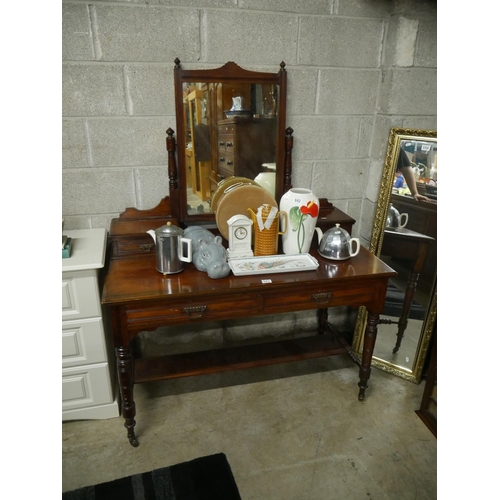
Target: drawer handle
(146,247)
(221,143)
(321,298)
(229,163)
(229,144)
(222,159)
(195,311)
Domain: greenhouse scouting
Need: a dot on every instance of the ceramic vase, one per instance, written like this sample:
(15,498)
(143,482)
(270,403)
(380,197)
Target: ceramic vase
(301,207)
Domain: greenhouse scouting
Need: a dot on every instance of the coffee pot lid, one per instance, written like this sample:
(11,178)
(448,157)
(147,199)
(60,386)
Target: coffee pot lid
(169,230)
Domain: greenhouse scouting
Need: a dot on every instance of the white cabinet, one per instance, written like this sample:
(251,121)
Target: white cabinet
(89,389)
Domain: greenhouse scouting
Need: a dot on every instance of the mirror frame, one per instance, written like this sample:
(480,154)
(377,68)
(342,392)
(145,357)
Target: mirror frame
(415,374)
(230,72)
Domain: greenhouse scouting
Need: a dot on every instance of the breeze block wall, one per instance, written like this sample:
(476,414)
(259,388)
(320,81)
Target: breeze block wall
(356,68)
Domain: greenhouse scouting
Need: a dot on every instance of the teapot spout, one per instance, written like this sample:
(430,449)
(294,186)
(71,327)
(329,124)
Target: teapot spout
(320,233)
(152,234)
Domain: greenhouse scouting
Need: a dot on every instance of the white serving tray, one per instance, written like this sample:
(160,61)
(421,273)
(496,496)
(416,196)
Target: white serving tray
(273,264)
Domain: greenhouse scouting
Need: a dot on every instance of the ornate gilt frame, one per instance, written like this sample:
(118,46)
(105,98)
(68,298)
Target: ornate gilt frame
(415,375)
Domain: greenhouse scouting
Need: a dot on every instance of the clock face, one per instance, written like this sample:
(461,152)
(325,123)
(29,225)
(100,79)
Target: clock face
(240,233)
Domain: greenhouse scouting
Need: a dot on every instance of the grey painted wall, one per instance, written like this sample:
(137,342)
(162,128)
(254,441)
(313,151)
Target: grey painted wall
(355,69)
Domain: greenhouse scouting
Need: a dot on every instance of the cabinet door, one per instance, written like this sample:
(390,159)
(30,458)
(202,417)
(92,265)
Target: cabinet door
(80,295)
(84,386)
(83,342)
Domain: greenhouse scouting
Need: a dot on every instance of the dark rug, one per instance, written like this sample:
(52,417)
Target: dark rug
(394,304)
(205,478)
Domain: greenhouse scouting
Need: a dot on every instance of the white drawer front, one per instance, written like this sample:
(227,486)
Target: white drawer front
(83,342)
(80,295)
(86,386)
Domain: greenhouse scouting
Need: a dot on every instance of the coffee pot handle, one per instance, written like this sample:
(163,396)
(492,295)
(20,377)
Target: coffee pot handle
(189,250)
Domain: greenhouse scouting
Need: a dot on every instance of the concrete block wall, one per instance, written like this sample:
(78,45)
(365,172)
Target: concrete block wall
(356,68)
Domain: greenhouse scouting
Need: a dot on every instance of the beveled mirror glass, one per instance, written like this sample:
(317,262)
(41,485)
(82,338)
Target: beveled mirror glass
(405,236)
(230,123)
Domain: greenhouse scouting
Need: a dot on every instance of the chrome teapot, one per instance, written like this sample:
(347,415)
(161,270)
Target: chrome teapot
(337,244)
(172,250)
(394,219)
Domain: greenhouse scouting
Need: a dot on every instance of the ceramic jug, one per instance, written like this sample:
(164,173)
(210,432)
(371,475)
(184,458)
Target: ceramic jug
(265,226)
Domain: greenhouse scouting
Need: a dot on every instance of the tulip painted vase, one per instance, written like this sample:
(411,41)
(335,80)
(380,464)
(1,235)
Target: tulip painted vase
(301,207)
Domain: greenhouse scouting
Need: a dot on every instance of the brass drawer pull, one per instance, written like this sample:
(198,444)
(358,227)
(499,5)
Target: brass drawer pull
(146,247)
(321,298)
(195,311)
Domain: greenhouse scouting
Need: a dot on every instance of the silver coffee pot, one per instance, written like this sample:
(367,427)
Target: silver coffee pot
(172,250)
(394,218)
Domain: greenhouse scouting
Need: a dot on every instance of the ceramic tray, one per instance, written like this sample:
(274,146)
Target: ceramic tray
(273,264)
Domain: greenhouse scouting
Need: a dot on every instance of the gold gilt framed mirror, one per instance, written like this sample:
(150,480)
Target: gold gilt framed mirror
(404,235)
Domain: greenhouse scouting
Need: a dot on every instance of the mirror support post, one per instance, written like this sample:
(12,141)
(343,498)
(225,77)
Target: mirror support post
(288,159)
(173,182)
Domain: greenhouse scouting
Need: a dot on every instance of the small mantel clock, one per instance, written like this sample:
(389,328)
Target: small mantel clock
(240,236)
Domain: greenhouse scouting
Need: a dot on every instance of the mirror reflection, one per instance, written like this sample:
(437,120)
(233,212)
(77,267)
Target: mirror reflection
(231,130)
(405,237)
(417,157)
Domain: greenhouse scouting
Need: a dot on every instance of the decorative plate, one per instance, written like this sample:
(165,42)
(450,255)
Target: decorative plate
(273,264)
(237,199)
(224,184)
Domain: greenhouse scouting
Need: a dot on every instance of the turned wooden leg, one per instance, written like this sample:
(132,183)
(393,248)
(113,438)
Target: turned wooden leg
(322,320)
(124,362)
(403,320)
(366,360)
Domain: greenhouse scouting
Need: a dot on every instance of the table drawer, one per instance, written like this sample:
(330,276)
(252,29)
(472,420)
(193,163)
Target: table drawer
(86,386)
(192,310)
(133,247)
(226,162)
(80,295)
(226,143)
(317,298)
(83,342)
(226,129)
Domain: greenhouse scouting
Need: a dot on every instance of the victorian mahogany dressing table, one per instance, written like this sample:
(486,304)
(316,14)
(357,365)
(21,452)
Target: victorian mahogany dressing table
(139,298)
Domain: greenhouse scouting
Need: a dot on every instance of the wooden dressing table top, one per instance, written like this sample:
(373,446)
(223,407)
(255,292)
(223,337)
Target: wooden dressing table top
(403,232)
(136,279)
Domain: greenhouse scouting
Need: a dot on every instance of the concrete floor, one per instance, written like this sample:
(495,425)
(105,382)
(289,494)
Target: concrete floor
(294,432)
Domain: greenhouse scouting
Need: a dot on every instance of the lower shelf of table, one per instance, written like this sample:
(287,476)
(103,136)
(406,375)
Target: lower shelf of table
(236,358)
